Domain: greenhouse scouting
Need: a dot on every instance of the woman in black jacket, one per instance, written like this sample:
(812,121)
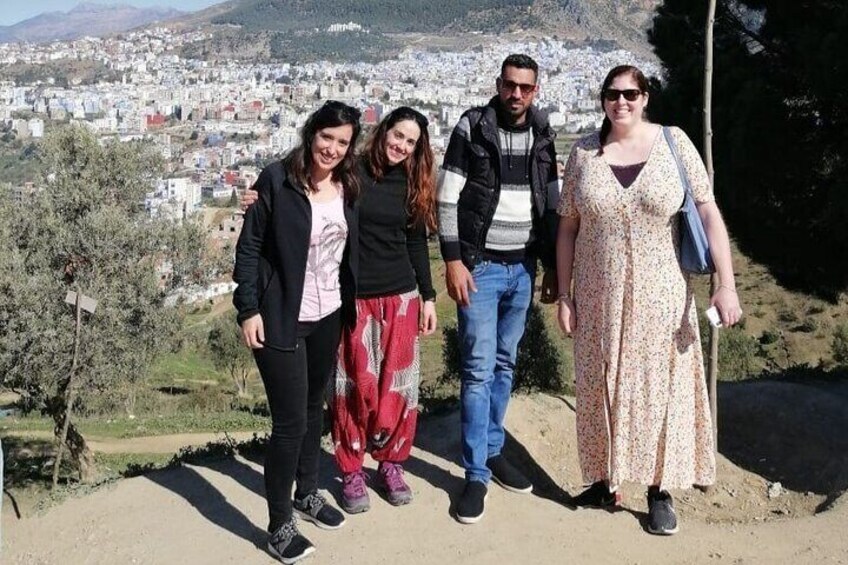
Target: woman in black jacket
(296,271)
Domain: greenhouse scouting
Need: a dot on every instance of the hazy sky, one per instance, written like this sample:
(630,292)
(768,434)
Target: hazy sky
(14,11)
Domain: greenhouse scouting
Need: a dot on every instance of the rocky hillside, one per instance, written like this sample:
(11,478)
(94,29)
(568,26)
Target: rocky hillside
(623,22)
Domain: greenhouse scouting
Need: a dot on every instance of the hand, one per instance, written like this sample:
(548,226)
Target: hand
(460,283)
(427,323)
(549,287)
(727,303)
(566,315)
(249,197)
(253,332)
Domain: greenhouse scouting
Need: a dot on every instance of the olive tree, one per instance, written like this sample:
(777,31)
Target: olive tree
(86,230)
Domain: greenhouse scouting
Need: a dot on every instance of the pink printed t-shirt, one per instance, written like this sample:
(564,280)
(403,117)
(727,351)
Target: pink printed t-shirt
(321,288)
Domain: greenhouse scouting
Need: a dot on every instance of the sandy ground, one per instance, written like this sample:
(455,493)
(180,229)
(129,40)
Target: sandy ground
(215,513)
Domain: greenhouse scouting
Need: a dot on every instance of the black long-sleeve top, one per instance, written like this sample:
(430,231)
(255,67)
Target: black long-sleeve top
(393,255)
(271,257)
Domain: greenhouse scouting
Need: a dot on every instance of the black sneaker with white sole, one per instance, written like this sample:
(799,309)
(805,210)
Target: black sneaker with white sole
(506,475)
(662,520)
(470,506)
(288,545)
(314,508)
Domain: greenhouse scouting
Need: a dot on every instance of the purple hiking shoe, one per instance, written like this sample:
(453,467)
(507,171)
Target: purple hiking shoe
(354,494)
(391,482)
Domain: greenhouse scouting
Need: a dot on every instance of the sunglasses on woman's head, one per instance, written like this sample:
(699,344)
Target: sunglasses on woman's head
(407,113)
(349,111)
(630,94)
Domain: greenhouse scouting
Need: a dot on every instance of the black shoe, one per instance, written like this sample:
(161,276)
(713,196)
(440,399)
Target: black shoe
(596,496)
(662,519)
(508,476)
(314,508)
(287,545)
(469,508)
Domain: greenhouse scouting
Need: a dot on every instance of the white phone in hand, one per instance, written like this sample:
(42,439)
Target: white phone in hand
(713,316)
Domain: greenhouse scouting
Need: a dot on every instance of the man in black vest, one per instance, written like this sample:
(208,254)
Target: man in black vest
(497,198)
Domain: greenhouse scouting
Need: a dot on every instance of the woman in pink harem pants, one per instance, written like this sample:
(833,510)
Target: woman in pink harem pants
(375,407)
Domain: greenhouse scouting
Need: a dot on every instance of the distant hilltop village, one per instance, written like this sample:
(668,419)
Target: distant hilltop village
(216,123)
(339,28)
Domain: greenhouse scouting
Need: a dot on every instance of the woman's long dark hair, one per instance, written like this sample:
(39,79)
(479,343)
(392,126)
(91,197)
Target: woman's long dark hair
(298,162)
(616,72)
(419,166)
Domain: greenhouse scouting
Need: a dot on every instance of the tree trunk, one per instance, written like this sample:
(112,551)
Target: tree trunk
(240,376)
(81,457)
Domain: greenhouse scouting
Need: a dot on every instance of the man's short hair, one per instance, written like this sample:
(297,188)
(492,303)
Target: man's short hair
(520,61)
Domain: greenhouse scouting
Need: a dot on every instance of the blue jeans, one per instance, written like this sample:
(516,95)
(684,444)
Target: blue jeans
(490,328)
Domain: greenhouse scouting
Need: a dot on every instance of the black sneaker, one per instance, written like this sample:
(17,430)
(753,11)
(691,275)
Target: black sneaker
(469,508)
(508,476)
(314,508)
(287,545)
(597,496)
(662,519)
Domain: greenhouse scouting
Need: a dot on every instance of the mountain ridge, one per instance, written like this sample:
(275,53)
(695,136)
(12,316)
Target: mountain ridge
(84,19)
(624,22)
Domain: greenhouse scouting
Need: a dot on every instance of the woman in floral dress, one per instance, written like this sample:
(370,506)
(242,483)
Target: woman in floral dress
(642,408)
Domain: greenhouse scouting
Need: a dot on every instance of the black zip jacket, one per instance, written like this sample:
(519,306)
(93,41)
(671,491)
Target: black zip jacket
(271,258)
(474,153)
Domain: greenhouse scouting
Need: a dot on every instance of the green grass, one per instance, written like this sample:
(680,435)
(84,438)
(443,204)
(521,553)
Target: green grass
(189,364)
(148,425)
(563,144)
(130,464)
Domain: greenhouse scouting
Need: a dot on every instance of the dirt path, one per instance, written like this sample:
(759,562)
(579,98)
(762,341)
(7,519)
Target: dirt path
(215,513)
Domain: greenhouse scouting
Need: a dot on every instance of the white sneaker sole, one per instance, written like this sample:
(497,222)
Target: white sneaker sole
(510,488)
(357,509)
(470,519)
(309,518)
(473,519)
(663,532)
(288,561)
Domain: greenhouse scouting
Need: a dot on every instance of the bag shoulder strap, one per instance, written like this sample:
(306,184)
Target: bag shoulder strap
(684,178)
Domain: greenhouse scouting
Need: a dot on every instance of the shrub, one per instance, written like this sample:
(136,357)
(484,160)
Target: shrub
(839,345)
(769,337)
(808,326)
(787,316)
(737,353)
(815,309)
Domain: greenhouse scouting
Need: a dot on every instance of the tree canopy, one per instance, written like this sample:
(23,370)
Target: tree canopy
(779,120)
(86,230)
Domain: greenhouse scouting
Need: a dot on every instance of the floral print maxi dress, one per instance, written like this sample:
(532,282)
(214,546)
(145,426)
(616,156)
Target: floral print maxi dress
(642,409)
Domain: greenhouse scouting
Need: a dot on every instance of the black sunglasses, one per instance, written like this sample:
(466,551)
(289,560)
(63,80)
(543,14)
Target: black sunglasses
(510,86)
(630,94)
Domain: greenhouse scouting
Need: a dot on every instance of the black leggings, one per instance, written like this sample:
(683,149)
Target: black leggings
(294,384)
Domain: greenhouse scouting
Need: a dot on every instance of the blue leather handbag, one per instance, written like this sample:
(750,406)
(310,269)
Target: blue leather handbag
(695,256)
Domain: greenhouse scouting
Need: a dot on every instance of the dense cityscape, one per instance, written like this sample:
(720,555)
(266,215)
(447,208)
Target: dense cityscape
(214,122)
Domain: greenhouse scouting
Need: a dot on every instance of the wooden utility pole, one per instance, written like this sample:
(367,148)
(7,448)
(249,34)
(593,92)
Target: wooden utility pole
(708,158)
(80,302)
